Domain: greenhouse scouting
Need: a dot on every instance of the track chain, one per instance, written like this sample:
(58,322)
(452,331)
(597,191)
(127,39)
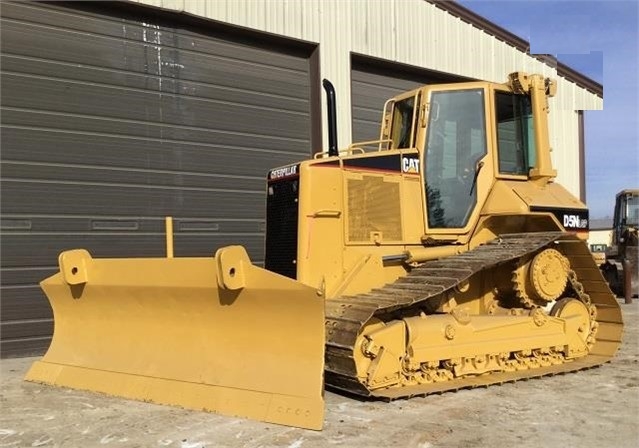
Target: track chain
(428,283)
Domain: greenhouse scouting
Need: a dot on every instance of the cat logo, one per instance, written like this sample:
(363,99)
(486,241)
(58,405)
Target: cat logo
(410,165)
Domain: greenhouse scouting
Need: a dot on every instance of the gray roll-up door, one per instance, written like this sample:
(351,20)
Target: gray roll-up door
(114,117)
(374,81)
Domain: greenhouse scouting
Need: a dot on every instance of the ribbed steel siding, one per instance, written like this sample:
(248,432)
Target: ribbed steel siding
(110,122)
(373,84)
(369,92)
(413,32)
(564,130)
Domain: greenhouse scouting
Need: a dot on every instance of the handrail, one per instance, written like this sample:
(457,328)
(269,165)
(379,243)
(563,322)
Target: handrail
(350,150)
(358,147)
(371,143)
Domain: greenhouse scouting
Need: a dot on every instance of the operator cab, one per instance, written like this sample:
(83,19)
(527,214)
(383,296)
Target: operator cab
(448,126)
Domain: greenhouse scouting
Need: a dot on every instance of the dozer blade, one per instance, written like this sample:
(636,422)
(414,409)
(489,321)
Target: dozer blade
(217,334)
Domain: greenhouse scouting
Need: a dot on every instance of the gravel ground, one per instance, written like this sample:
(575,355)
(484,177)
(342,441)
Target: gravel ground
(594,408)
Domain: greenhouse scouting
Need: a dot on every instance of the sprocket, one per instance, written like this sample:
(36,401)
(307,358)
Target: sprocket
(540,279)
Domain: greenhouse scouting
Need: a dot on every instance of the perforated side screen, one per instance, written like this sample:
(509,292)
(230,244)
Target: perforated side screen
(373,206)
(281,227)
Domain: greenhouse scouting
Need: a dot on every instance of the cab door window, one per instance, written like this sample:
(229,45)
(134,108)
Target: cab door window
(456,141)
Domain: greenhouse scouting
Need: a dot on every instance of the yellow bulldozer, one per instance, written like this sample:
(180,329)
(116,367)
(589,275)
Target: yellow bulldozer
(441,256)
(621,264)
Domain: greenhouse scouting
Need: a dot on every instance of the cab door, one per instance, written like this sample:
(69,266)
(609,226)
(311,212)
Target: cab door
(456,166)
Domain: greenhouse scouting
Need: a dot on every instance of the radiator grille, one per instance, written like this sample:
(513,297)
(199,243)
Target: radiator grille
(373,206)
(281,227)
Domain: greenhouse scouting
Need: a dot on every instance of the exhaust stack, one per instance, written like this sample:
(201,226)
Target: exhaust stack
(332,117)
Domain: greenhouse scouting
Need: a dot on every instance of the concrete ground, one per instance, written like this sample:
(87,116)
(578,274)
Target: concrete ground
(594,408)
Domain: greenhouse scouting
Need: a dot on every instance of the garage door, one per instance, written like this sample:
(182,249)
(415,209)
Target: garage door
(114,117)
(374,81)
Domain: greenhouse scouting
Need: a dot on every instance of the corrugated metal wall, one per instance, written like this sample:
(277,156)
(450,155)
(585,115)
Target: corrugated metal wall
(373,83)
(565,132)
(111,121)
(413,32)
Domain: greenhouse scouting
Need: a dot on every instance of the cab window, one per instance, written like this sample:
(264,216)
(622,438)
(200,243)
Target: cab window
(515,133)
(402,124)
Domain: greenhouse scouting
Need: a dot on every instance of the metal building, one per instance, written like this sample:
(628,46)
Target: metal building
(115,115)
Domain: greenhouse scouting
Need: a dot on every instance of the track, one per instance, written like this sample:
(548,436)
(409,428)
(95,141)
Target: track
(346,316)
